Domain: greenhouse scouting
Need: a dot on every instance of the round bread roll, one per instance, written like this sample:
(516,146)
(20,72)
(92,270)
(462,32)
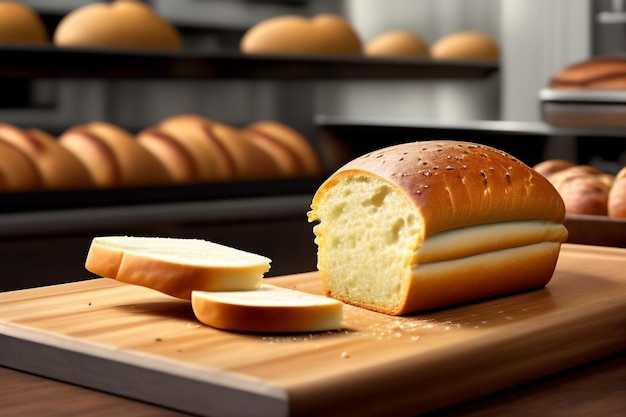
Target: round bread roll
(20,24)
(552,166)
(293,153)
(323,34)
(17,171)
(122,24)
(398,43)
(113,156)
(597,73)
(471,46)
(617,196)
(430,224)
(58,167)
(584,189)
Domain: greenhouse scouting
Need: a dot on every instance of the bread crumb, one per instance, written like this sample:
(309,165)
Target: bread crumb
(345,355)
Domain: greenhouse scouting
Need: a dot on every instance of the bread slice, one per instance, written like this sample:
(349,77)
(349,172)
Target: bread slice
(270,309)
(175,266)
(430,224)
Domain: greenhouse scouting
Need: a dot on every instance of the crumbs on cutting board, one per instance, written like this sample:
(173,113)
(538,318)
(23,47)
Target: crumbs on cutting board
(383,328)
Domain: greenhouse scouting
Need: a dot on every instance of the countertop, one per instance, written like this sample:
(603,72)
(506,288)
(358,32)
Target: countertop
(595,389)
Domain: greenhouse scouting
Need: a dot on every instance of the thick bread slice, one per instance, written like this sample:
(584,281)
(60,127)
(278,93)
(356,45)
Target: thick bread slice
(175,266)
(428,224)
(270,309)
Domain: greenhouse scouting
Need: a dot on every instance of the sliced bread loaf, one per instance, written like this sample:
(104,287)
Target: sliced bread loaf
(175,266)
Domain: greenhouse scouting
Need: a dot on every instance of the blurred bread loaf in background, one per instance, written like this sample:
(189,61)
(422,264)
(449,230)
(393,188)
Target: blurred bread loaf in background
(323,34)
(58,167)
(397,43)
(127,24)
(469,46)
(181,149)
(600,73)
(21,24)
(113,156)
(586,189)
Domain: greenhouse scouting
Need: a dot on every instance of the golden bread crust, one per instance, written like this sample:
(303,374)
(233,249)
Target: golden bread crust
(121,24)
(322,34)
(456,184)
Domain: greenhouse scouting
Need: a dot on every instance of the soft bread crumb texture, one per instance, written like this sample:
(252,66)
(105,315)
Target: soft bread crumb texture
(175,266)
(455,200)
(368,237)
(270,309)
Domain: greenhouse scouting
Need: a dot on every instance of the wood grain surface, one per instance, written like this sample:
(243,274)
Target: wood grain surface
(138,343)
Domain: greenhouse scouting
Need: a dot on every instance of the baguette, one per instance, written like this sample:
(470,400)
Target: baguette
(430,224)
(270,309)
(175,266)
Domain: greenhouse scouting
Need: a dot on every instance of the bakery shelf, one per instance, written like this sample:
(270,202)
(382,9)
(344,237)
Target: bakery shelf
(49,61)
(47,201)
(525,140)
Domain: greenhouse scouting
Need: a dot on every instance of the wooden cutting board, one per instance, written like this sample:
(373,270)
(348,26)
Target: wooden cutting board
(138,343)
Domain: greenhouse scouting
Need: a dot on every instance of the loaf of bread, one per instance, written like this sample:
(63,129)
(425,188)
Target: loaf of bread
(126,24)
(269,309)
(603,73)
(617,196)
(584,188)
(175,266)
(17,170)
(397,43)
(186,145)
(291,151)
(217,152)
(113,156)
(430,224)
(58,167)
(20,24)
(552,166)
(324,34)
(470,46)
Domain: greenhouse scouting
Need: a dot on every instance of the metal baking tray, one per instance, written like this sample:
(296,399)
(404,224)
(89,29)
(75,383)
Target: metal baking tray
(584,108)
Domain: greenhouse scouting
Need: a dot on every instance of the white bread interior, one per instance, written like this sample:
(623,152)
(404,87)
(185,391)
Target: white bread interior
(268,309)
(429,224)
(175,266)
